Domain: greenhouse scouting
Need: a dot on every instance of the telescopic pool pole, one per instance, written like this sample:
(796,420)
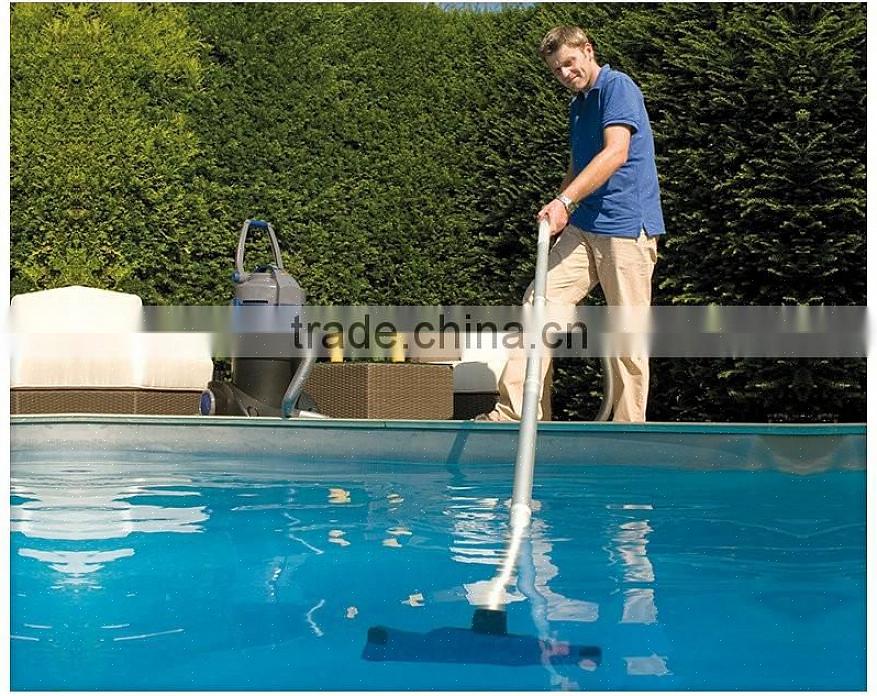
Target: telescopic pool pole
(488,641)
(493,618)
(523,485)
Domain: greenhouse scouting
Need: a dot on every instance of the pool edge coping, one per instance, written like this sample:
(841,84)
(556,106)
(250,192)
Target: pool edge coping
(803,429)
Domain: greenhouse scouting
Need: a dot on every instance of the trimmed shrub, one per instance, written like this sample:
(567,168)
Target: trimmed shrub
(102,153)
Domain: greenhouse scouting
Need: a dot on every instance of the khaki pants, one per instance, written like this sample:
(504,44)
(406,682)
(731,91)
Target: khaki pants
(576,264)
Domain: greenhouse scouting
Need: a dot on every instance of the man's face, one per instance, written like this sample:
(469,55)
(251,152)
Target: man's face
(573,66)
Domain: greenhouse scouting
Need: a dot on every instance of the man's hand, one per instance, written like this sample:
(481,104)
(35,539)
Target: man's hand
(557,216)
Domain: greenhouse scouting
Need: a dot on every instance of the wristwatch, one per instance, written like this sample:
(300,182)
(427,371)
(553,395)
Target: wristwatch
(568,203)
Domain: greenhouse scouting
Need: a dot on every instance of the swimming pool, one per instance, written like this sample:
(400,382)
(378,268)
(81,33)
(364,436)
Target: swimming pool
(156,553)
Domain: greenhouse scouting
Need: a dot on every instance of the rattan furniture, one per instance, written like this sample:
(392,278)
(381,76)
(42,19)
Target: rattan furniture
(414,391)
(163,402)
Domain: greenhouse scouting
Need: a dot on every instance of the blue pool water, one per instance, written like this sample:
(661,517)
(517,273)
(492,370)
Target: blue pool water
(136,571)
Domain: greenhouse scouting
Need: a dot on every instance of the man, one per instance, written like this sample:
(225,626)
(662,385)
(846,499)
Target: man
(608,212)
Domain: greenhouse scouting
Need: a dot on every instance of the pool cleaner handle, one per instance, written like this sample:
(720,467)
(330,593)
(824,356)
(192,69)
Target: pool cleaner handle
(240,271)
(522,490)
(523,485)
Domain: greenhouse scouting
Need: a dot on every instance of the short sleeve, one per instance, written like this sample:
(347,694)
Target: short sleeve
(621,103)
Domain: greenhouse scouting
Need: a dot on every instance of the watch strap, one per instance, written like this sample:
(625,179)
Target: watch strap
(568,203)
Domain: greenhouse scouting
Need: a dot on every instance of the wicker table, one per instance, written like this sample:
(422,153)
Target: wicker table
(414,391)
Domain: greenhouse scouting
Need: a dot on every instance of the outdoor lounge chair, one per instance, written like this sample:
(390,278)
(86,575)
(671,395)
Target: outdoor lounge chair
(81,350)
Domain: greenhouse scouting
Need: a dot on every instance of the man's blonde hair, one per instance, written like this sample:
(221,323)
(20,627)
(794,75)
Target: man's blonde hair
(575,37)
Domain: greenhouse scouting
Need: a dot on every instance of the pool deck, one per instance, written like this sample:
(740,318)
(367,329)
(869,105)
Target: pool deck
(798,448)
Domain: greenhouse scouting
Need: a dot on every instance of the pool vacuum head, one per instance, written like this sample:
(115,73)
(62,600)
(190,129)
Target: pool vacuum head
(487,642)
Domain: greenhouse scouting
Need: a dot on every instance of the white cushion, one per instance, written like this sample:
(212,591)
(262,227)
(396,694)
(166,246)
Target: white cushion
(480,365)
(78,337)
(73,360)
(75,309)
(175,360)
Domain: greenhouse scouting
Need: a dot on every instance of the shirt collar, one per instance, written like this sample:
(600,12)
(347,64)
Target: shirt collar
(598,83)
(601,78)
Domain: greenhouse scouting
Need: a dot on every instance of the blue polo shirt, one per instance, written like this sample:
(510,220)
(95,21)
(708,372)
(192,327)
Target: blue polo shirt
(630,200)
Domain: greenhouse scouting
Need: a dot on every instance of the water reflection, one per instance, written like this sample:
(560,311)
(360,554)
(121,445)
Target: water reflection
(85,506)
(241,574)
(76,565)
(100,509)
(639,606)
(629,545)
(558,606)
(649,666)
(478,537)
(478,528)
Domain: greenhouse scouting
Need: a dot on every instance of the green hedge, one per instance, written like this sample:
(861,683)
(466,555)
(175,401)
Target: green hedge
(102,152)
(401,152)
